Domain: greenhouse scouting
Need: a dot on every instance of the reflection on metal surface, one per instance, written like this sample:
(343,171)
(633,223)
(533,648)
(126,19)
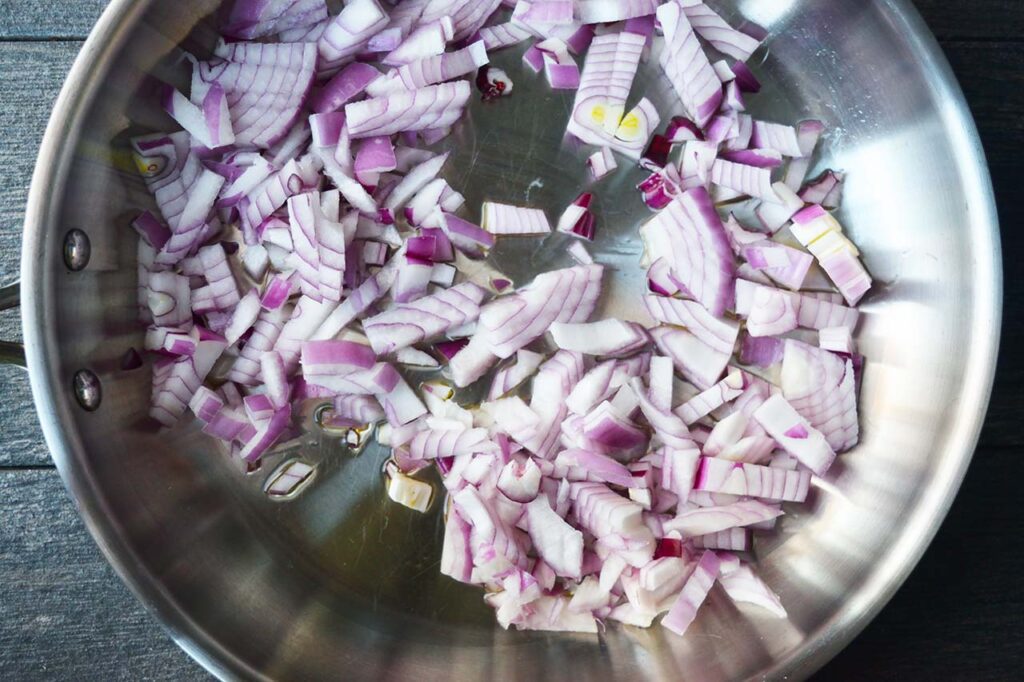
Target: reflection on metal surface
(87,389)
(342,579)
(353,437)
(77,250)
(289,479)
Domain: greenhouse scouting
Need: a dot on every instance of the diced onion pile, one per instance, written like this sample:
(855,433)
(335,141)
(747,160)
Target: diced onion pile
(613,468)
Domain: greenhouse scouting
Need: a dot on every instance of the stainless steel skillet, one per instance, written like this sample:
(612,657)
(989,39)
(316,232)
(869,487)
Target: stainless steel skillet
(341,584)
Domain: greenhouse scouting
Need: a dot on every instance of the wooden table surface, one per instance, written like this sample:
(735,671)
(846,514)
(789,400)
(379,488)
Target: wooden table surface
(960,616)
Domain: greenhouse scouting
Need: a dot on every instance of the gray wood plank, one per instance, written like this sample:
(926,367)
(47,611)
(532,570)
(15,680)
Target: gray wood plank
(21,439)
(973,19)
(38,19)
(30,77)
(66,614)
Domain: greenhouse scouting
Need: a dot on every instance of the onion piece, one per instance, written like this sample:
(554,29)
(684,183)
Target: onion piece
(823,236)
(517,220)
(577,218)
(773,312)
(251,76)
(192,227)
(443,67)
(520,481)
(421,109)
(567,295)
(635,129)
(695,591)
(837,340)
(781,138)
(410,323)
(605,428)
(705,520)
(456,556)
(695,359)
(601,163)
(408,491)
(784,264)
(503,35)
(560,68)
(709,25)
(415,180)
(579,253)
(429,38)
(558,544)
(205,404)
(751,480)
(596,467)
(346,85)
(717,332)
(817,191)
(686,65)
(821,387)
(745,180)
(808,135)
(434,443)
(604,11)
(732,540)
(795,434)
(349,32)
(508,378)
(209,123)
(467,16)
(607,77)
(608,338)
(714,397)
(608,516)
(690,236)
(250,19)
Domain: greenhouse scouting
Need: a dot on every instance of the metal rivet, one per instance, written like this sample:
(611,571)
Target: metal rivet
(77,250)
(88,391)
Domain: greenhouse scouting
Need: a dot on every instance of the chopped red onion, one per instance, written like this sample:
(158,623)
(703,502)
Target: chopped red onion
(411,323)
(607,77)
(503,35)
(601,163)
(251,76)
(822,234)
(516,220)
(690,225)
(347,34)
(428,107)
(719,34)
(795,434)
(752,480)
(443,67)
(603,11)
(614,473)
(686,65)
(577,218)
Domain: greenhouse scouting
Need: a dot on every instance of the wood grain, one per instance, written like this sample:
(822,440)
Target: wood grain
(67,616)
(30,77)
(965,20)
(45,19)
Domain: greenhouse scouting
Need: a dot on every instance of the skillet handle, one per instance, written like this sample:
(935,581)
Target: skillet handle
(11,353)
